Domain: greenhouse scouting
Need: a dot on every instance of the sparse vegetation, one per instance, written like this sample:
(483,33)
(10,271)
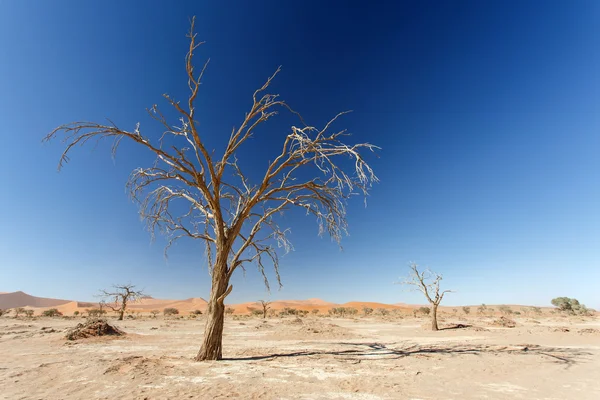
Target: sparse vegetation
(428,283)
(29,313)
(121,296)
(570,306)
(315,311)
(229,310)
(170,311)
(76,313)
(95,312)
(19,311)
(382,311)
(367,311)
(196,312)
(424,310)
(482,309)
(506,310)
(154,313)
(343,311)
(52,312)
(466,310)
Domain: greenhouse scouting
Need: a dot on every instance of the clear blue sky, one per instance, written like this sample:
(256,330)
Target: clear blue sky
(487,114)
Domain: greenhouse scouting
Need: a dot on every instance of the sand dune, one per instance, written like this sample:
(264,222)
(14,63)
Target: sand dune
(21,299)
(147,304)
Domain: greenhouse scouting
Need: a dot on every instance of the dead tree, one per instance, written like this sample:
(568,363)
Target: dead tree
(265,306)
(428,283)
(235,218)
(121,295)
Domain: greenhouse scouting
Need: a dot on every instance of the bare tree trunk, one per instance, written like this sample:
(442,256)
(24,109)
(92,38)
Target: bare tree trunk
(434,324)
(212,344)
(122,311)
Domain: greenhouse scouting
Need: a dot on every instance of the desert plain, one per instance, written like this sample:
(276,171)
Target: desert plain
(394,356)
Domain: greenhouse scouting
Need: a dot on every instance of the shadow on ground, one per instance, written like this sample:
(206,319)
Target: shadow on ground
(378,351)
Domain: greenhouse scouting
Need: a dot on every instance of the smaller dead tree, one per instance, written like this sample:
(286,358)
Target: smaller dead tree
(265,306)
(428,283)
(121,296)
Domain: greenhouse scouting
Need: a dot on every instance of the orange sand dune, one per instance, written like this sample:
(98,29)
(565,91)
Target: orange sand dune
(360,304)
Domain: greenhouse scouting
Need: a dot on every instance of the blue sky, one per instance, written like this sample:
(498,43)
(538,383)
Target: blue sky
(486,112)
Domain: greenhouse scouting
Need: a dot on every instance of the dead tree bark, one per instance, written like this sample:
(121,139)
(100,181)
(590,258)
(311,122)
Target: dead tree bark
(428,283)
(265,307)
(236,219)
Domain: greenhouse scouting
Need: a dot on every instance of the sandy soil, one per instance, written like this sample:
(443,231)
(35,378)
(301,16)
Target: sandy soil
(315,358)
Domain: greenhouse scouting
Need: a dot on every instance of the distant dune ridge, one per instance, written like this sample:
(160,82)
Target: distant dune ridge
(21,299)
(147,304)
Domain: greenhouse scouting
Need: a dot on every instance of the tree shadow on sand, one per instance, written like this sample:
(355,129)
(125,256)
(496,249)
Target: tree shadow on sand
(378,351)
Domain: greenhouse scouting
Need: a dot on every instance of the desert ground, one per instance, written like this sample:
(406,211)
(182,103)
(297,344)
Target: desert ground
(305,358)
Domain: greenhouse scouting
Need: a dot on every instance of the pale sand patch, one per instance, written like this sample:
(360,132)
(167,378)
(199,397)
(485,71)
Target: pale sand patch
(371,360)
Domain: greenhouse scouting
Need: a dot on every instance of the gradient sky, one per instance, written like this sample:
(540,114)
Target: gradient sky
(487,114)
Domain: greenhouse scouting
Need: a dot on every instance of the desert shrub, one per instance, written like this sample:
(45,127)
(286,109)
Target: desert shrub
(257,313)
(367,311)
(482,309)
(424,310)
(537,310)
(196,312)
(288,311)
(76,313)
(517,312)
(571,306)
(170,311)
(504,322)
(18,311)
(454,311)
(315,311)
(382,311)
(154,313)
(229,310)
(95,312)
(466,310)
(342,311)
(52,312)
(505,310)
(29,313)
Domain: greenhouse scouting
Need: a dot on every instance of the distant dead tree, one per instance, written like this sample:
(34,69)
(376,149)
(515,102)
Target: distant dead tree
(19,311)
(265,307)
(154,313)
(428,283)
(235,218)
(121,296)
